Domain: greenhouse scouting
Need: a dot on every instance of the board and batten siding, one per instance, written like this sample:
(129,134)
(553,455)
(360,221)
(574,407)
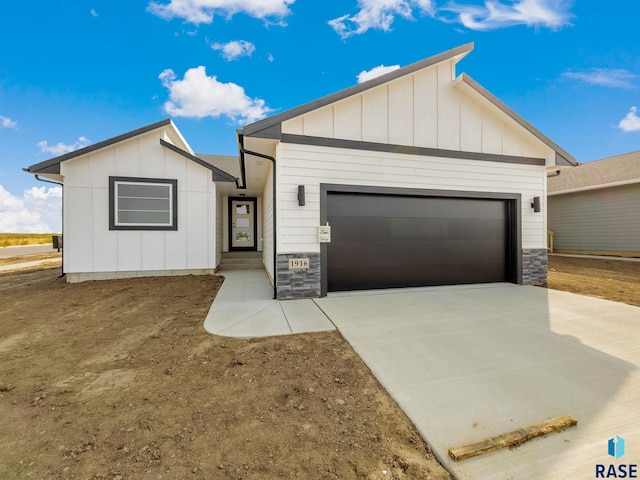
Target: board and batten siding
(267,224)
(425,109)
(312,165)
(92,248)
(219,228)
(605,219)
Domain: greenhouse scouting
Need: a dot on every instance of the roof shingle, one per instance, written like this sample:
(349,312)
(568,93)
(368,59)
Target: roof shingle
(599,173)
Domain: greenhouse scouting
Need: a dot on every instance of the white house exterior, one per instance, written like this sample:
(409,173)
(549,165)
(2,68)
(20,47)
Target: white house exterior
(417,133)
(95,178)
(423,177)
(595,208)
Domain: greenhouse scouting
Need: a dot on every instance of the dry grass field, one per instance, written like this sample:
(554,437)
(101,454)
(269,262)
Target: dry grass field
(14,239)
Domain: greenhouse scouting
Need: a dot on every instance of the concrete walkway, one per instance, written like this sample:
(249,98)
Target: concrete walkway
(245,308)
(598,257)
(469,362)
(53,262)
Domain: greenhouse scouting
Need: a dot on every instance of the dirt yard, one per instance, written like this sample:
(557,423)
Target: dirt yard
(118,380)
(616,280)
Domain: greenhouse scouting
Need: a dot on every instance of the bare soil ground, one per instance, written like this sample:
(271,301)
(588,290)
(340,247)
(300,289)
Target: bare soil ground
(616,280)
(118,380)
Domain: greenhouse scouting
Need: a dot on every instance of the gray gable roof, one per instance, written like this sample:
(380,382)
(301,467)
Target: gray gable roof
(609,171)
(53,165)
(562,156)
(228,164)
(218,175)
(266,127)
(270,127)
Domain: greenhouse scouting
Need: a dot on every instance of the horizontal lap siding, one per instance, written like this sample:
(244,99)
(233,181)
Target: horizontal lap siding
(312,165)
(605,219)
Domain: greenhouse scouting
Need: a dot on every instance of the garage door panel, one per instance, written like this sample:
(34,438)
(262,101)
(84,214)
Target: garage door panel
(385,241)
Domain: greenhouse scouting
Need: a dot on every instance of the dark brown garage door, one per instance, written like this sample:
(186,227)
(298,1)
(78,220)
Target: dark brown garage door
(387,241)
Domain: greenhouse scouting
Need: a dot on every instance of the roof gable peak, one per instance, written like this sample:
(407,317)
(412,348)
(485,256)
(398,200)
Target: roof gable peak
(269,126)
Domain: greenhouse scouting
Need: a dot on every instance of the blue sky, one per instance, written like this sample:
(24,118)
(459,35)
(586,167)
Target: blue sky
(75,72)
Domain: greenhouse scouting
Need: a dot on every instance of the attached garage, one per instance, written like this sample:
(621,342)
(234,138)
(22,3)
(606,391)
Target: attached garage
(424,177)
(387,238)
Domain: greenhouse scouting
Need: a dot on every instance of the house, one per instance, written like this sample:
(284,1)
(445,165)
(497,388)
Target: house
(595,208)
(417,177)
(140,204)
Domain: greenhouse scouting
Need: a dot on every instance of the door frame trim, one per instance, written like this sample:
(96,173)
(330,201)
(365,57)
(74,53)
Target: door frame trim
(255,224)
(514,219)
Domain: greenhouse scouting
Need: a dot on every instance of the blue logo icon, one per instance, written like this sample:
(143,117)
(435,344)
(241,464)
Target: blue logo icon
(616,447)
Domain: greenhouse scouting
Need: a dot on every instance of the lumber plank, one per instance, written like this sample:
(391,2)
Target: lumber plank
(513,438)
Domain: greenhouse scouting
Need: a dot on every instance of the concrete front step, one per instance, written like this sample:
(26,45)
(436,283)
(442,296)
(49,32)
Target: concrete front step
(223,268)
(241,261)
(245,254)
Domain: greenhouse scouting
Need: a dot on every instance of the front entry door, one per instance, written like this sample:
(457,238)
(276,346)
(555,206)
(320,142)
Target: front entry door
(242,223)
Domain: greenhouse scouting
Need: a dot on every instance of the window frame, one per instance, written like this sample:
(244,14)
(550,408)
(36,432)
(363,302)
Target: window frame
(114,182)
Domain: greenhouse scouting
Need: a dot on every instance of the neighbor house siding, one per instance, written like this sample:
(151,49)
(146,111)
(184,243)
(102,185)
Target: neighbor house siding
(92,248)
(605,219)
(425,109)
(312,165)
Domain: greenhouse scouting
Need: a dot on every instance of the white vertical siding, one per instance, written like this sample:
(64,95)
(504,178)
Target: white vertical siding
(312,165)
(89,244)
(425,119)
(401,104)
(348,118)
(424,109)
(606,219)
(449,121)
(267,224)
(375,115)
(219,229)
(225,223)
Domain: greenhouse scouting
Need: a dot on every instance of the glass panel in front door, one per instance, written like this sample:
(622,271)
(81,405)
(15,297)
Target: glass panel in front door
(242,228)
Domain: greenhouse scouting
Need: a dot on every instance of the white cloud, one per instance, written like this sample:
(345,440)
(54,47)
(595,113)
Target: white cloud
(365,75)
(552,14)
(38,211)
(6,122)
(604,77)
(203,11)
(198,95)
(62,148)
(630,123)
(379,14)
(236,48)
(94,13)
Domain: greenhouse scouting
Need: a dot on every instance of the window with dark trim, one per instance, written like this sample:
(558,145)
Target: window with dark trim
(143,203)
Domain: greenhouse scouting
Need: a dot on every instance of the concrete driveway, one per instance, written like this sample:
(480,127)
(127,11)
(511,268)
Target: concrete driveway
(470,362)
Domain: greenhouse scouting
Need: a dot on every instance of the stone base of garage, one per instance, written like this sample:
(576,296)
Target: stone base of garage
(306,282)
(534,266)
(297,282)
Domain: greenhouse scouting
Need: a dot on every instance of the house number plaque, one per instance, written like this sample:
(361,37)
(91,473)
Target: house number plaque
(298,263)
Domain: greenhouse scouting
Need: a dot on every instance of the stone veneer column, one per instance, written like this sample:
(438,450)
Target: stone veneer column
(534,266)
(298,283)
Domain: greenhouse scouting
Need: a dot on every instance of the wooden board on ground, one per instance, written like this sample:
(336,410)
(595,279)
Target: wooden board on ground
(514,438)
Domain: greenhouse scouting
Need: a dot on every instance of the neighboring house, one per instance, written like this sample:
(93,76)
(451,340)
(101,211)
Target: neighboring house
(595,208)
(424,178)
